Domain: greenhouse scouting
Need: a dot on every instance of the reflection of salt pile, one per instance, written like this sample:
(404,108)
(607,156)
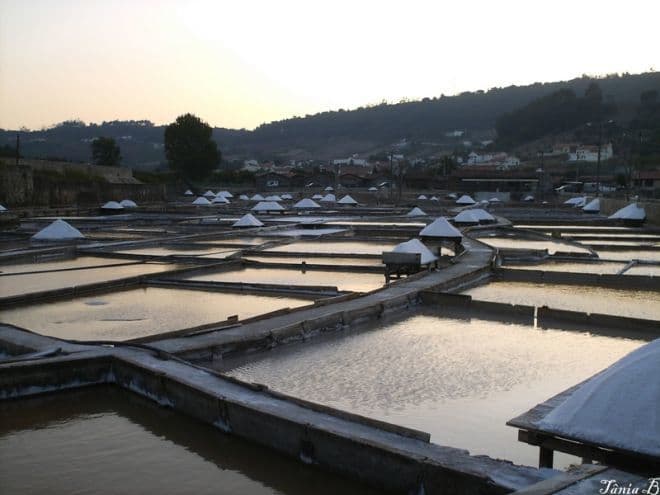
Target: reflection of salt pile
(59,230)
(416,246)
(248,221)
(416,212)
(616,408)
(306,203)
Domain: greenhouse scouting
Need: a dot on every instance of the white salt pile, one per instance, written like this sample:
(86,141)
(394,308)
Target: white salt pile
(416,212)
(306,203)
(440,227)
(248,220)
(59,230)
(416,246)
(617,408)
(465,200)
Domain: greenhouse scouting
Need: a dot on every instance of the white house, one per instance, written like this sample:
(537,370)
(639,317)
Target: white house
(590,153)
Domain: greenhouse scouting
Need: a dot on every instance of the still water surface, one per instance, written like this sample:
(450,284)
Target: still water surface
(360,282)
(140,312)
(631,303)
(459,380)
(105,441)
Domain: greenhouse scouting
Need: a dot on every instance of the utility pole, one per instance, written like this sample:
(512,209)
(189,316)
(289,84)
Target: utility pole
(391,175)
(18,147)
(600,137)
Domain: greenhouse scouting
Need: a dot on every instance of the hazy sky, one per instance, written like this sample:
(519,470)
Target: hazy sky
(240,63)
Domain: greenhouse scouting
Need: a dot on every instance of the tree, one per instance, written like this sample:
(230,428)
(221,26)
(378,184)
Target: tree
(106,152)
(189,149)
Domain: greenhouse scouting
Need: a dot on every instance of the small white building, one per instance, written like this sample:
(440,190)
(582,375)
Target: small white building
(590,153)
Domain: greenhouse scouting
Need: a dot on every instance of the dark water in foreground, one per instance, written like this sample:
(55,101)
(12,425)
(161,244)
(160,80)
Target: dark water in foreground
(106,441)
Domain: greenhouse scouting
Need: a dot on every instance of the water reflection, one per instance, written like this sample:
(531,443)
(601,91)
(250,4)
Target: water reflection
(104,440)
(460,380)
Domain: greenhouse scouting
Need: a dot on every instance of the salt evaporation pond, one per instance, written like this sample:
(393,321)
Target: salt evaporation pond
(212,252)
(641,254)
(336,247)
(359,282)
(604,268)
(319,260)
(511,243)
(645,270)
(16,284)
(140,312)
(62,264)
(253,241)
(459,380)
(106,441)
(587,299)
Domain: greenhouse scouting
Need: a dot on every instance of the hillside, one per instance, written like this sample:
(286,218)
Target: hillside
(336,133)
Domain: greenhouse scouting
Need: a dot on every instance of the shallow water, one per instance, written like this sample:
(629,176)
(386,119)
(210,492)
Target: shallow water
(345,247)
(459,380)
(318,260)
(360,282)
(552,247)
(140,312)
(179,251)
(105,441)
(631,303)
(608,268)
(40,266)
(646,270)
(629,255)
(12,285)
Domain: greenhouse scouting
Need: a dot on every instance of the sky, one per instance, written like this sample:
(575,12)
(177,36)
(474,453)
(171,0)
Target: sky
(240,63)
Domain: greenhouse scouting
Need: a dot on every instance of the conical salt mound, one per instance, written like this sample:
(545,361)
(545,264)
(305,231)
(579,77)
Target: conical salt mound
(306,203)
(592,206)
(482,215)
(128,203)
(59,230)
(328,198)
(421,197)
(273,197)
(465,200)
(226,194)
(347,200)
(248,221)
(209,194)
(112,205)
(257,197)
(529,198)
(267,206)
(2,208)
(440,227)
(244,197)
(416,246)
(466,216)
(416,212)
(630,212)
(201,201)
(317,196)
(188,193)
(220,200)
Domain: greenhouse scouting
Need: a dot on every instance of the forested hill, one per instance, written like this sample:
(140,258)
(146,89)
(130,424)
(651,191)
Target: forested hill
(329,134)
